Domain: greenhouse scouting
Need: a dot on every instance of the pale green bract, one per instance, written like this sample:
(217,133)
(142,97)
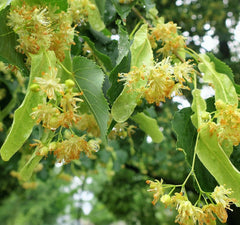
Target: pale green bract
(94,18)
(149,126)
(141,54)
(22,121)
(27,170)
(216,161)
(199,107)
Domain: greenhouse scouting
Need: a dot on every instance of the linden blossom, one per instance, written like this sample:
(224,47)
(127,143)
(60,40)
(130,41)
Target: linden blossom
(167,33)
(41,28)
(49,83)
(71,148)
(228,117)
(189,214)
(163,80)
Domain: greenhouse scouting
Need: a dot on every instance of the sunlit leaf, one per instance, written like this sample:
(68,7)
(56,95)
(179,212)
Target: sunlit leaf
(3,4)
(223,86)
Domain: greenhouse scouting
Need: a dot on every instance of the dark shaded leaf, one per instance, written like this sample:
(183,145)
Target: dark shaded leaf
(123,9)
(186,139)
(117,87)
(8,43)
(89,78)
(104,59)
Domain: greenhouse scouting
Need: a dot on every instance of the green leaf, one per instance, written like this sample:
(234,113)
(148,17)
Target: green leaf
(109,13)
(117,87)
(8,43)
(141,54)
(186,140)
(27,170)
(222,67)
(123,44)
(148,3)
(94,18)
(22,121)
(89,78)
(199,107)
(223,86)
(123,9)
(149,126)
(185,131)
(216,161)
(105,60)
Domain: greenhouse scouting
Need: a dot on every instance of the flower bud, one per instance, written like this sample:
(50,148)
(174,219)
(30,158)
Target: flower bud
(35,87)
(69,83)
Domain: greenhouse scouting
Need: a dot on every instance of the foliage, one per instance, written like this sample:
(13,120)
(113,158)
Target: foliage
(91,85)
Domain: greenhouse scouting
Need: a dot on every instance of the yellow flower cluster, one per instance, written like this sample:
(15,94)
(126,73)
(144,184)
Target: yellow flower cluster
(167,34)
(163,80)
(189,214)
(228,126)
(68,149)
(71,148)
(53,116)
(79,9)
(41,28)
(49,83)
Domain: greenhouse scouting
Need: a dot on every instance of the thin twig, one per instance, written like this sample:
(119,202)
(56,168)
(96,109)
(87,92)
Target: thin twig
(136,11)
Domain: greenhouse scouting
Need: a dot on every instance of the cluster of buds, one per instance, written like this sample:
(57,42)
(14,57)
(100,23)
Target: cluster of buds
(41,28)
(121,130)
(167,34)
(189,214)
(163,80)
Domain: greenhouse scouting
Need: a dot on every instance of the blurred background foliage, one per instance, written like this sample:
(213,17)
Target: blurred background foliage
(114,179)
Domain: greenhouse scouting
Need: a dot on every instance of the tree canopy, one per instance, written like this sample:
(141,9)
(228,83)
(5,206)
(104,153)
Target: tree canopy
(91,125)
